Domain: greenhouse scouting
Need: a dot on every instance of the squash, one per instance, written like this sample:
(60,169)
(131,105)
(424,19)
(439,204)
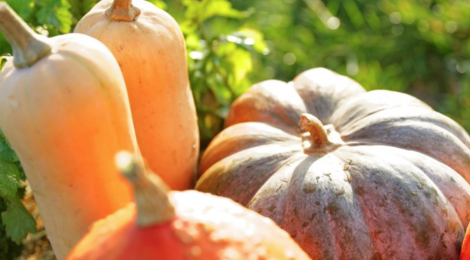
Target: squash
(163,225)
(349,174)
(64,109)
(465,253)
(150,49)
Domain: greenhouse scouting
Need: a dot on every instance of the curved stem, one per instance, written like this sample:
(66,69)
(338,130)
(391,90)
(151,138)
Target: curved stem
(122,10)
(151,193)
(318,135)
(28,47)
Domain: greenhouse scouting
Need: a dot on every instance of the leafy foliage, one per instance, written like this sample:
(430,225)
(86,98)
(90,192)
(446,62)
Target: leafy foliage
(14,218)
(219,59)
(8,248)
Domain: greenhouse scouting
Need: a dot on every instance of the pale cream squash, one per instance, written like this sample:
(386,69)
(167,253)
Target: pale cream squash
(150,49)
(65,111)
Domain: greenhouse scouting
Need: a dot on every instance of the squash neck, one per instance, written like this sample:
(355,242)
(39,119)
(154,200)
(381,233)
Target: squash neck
(28,47)
(122,11)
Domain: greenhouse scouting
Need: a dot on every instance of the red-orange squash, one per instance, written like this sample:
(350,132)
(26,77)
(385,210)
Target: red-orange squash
(364,175)
(65,111)
(150,48)
(465,253)
(164,225)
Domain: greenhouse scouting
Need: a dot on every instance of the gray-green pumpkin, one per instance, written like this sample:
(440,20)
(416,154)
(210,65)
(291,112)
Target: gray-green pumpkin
(364,175)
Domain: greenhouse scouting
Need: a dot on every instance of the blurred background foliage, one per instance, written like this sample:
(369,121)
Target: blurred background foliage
(420,47)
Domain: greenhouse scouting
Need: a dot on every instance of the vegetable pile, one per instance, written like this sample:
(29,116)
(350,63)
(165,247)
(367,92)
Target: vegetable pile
(348,174)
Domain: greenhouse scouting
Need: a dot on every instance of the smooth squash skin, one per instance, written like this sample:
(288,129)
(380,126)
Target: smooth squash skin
(465,253)
(187,225)
(150,49)
(64,110)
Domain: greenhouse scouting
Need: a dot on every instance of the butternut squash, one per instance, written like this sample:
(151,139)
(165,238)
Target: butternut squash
(64,109)
(150,49)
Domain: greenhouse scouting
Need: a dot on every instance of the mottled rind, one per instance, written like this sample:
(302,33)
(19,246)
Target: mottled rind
(394,186)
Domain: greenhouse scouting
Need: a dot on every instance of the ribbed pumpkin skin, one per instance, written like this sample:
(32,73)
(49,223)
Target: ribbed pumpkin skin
(66,117)
(152,55)
(206,227)
(395,187)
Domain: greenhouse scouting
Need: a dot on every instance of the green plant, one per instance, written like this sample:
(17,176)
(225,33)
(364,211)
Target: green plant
(15,218)
(221,49)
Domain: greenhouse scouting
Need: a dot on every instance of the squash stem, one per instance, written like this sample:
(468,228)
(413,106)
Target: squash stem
(151,193)
(318,136)
(122,10)
(28,47)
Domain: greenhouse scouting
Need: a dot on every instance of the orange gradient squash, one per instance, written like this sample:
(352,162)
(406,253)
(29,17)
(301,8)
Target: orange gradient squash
(163,225)
(64,109)
(149,46)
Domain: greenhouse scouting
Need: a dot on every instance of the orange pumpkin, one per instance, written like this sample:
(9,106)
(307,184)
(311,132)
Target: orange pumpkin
(164,225)
(64,109)
(150,49)
(365,175)
(465,253)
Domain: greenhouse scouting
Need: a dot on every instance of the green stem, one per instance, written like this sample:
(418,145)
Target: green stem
(151,193)
(28,47)
(122,10)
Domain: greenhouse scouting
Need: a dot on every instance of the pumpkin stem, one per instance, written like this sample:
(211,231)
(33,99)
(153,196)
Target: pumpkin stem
(151,193)
(318,136)
(28,47)
(122,10)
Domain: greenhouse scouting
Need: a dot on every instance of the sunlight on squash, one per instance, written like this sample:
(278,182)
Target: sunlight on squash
(65,111)
(163,225)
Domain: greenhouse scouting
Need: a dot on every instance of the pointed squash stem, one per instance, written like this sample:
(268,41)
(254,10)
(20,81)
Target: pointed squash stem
(28,47)
(122,10)
(151,193)
(318,136)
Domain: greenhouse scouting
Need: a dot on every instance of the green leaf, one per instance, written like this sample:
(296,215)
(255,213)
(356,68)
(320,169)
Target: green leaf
(6,153)
(205,9)
(241,64)
(22,7)
(18,221)
(9,179)
(254,37)
(57,14)
(158,3)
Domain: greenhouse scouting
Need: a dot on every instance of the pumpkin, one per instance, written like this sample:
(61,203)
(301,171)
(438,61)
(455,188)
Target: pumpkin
(181,225)
(465,253)
(349,174)
(64,109)
(149,46)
